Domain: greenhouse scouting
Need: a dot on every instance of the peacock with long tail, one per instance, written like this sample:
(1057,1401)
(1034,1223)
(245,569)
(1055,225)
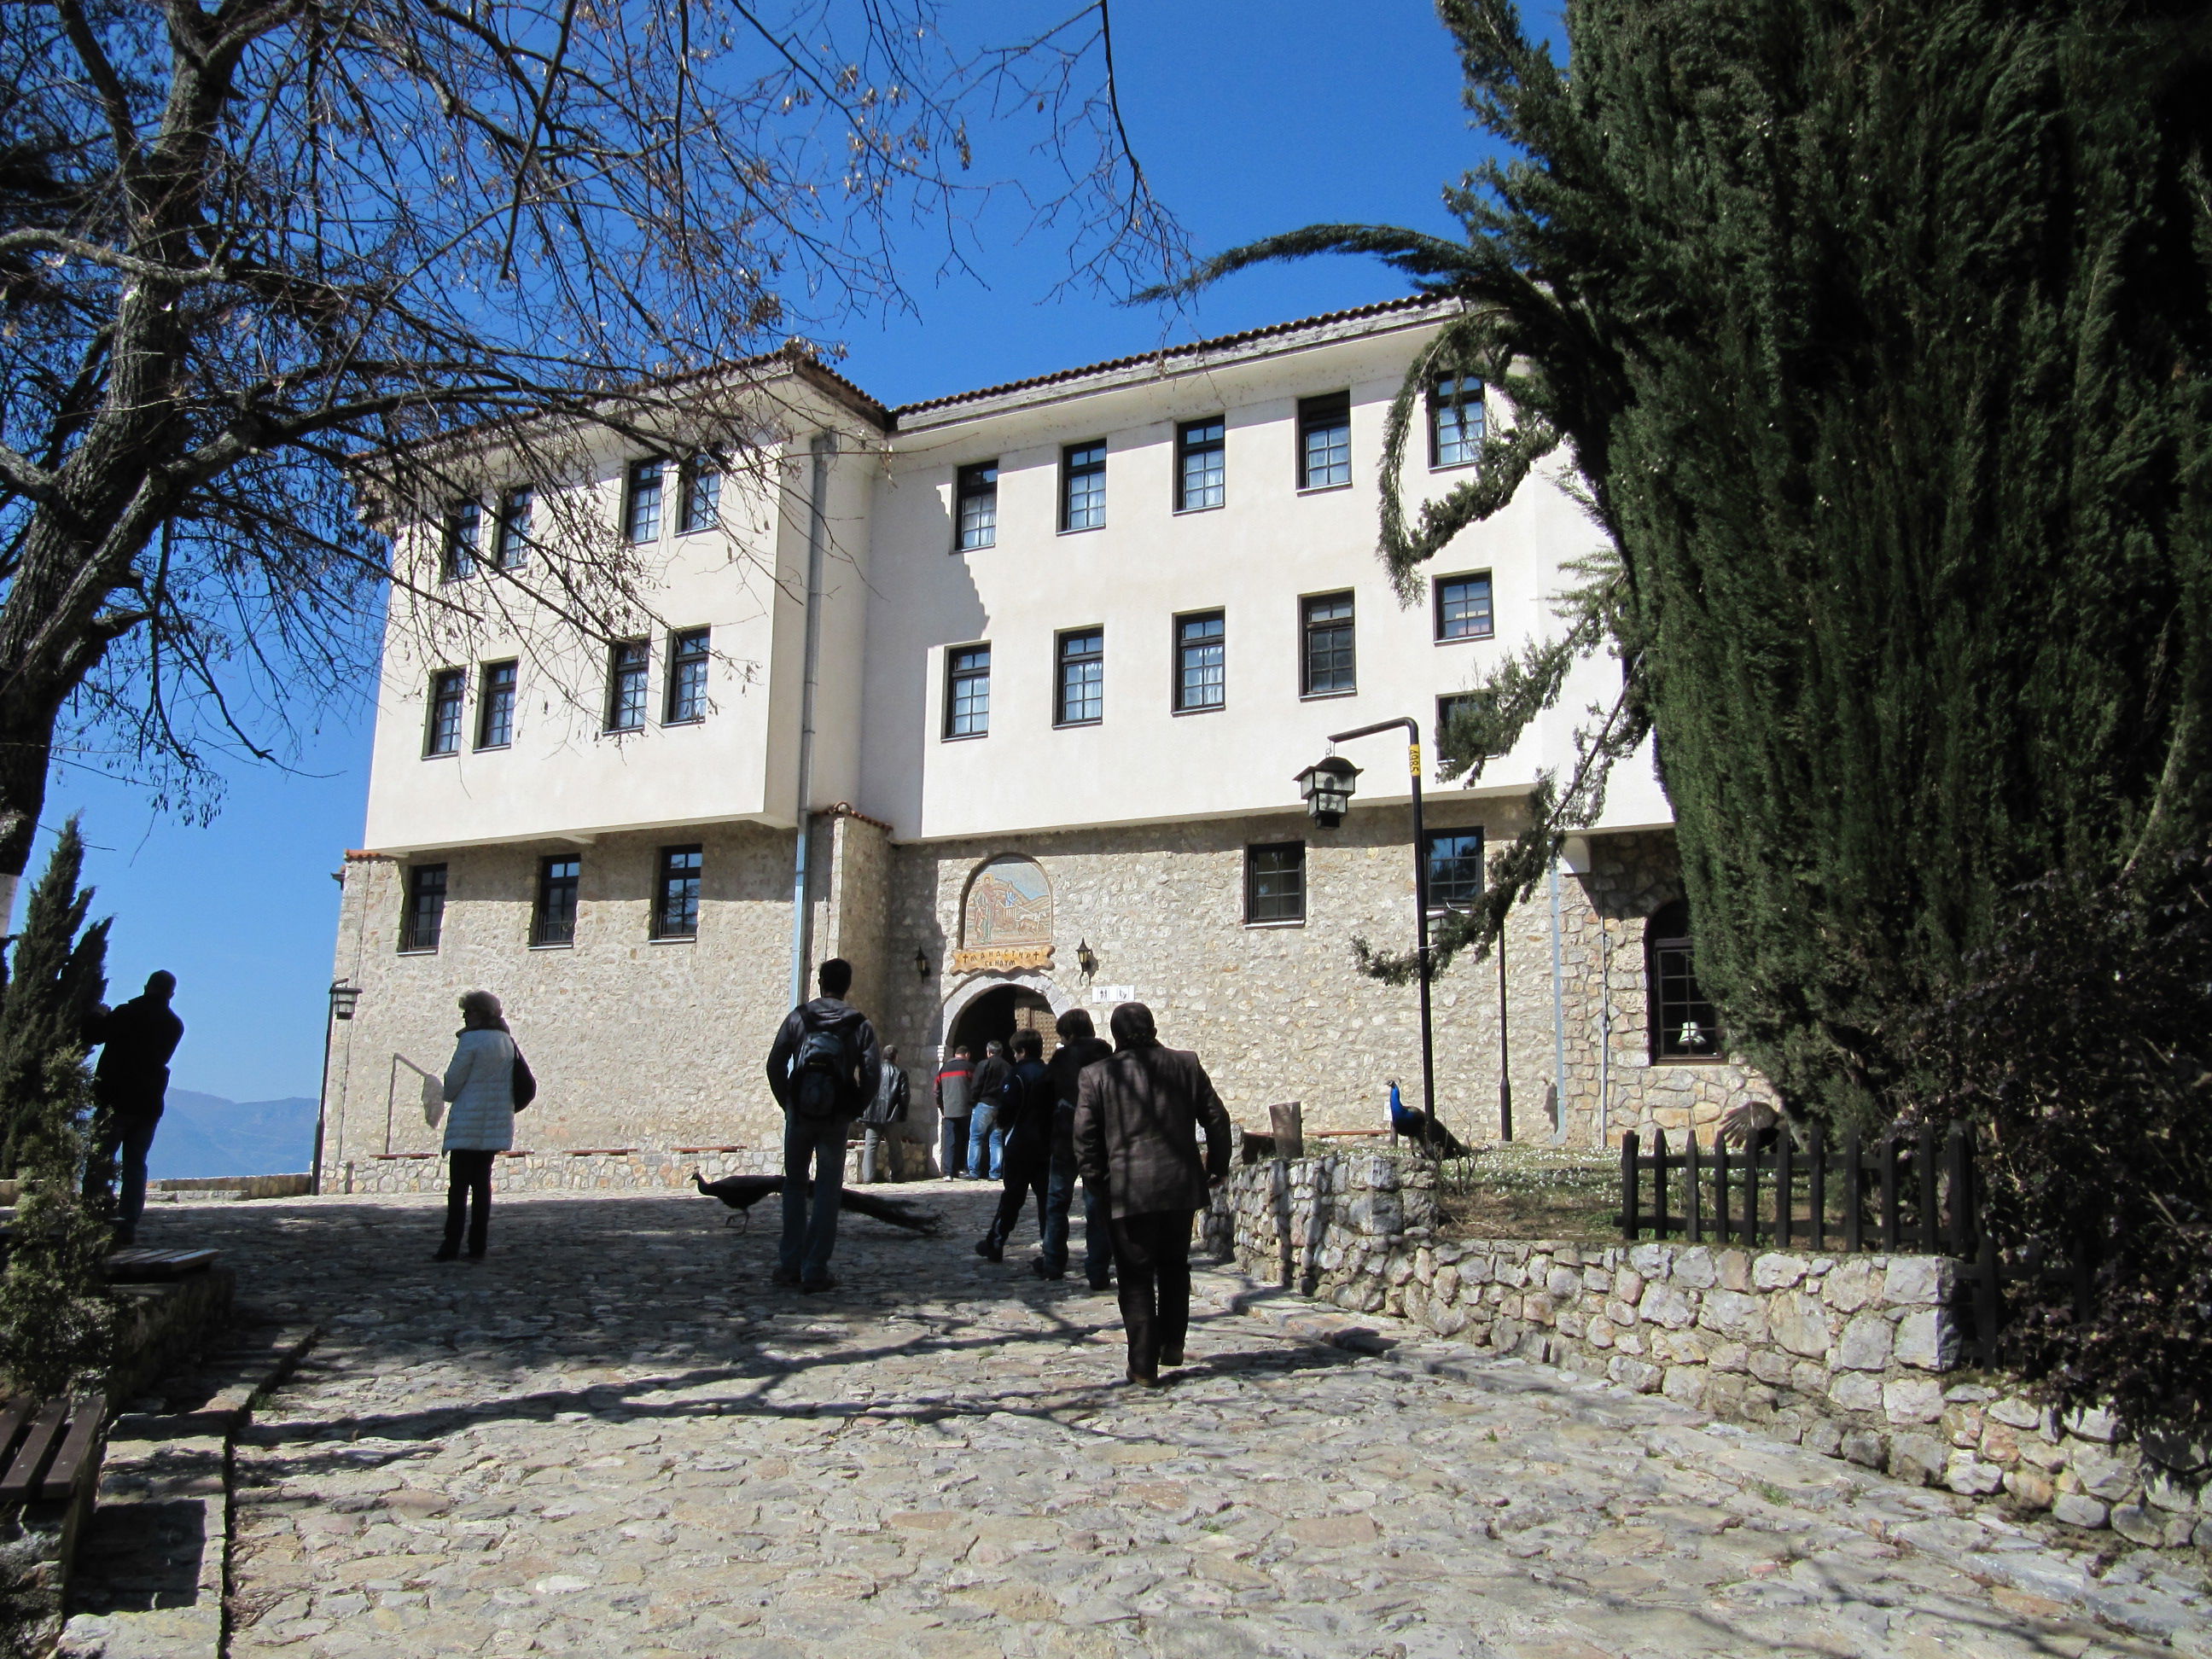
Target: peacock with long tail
(741,1192)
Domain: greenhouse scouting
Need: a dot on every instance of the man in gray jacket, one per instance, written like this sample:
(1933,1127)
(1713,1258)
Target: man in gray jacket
(1138,1116)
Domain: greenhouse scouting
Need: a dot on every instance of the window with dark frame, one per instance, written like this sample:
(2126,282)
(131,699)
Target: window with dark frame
(1325,441)
(1455,861)
(629,664)
(688,654)
(676,893)
(424,918)
(1275,882)
(701,486)
(1450,707)
(495,706)
(553,918)
(1201,669)
(641,498)
(1082,694)
(1455,420)
(1463,607)
(967,691)
(1201,475)
(442,733)
(1328,665)
(1684,1024)
(511,545)
(975,506)
(1082,486)
(464,541)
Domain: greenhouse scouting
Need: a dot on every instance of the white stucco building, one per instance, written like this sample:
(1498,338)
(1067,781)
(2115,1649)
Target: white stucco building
(1070,639)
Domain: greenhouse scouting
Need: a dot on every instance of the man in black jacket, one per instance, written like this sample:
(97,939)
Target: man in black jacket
(1027,1119)
(987,1135)
(823,1068)
(1137,1120)
(1079,1046)
(130,1084)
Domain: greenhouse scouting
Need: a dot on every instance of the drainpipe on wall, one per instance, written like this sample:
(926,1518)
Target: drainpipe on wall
(802,916)
(1559,1021)
(1604,1030)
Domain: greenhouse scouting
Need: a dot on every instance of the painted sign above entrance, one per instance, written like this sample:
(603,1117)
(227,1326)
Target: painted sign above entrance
(1005,920)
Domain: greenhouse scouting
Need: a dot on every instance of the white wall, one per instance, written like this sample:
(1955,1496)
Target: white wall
(564,774)
(1254,559)
(895,595)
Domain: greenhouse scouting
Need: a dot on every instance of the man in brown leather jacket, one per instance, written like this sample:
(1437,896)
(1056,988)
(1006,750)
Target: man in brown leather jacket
(1138,1116)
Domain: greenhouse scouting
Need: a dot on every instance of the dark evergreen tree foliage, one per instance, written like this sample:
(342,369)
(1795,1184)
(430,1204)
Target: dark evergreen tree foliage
(2079,1036)
(55,1316)
(1878,336)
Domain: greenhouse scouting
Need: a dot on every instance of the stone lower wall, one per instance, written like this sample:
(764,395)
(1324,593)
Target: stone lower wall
(527,1172)
(1854,1356)
(638,1042)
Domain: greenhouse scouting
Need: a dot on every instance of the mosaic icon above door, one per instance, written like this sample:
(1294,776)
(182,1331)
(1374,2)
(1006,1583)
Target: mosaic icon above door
(1005,920)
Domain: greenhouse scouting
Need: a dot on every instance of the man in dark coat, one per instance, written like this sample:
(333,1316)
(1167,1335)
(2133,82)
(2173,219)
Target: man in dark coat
(1079,1046)
(987,1135)
(139,1038)
(1138,1116)
(1026,1118)
(809,1233)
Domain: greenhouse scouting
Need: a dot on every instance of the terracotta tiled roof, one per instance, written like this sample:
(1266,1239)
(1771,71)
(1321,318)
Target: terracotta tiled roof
(1167,354)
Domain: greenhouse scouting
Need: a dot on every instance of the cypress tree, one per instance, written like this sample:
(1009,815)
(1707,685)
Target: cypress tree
(55,1314)
(1878,336)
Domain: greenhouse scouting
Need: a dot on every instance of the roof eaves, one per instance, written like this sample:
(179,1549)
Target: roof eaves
(1171,353)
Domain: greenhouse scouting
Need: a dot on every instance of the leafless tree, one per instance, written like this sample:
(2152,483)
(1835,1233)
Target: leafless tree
(254,251)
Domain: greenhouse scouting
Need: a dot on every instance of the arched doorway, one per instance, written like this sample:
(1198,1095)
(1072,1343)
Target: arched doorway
(996,1015)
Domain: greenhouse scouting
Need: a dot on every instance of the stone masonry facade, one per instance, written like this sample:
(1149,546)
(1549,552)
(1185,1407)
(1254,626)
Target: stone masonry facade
(1852,1356)
(642,1047)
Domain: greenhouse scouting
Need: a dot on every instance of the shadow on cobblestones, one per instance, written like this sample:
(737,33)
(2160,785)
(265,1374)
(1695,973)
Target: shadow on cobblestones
(614,1438)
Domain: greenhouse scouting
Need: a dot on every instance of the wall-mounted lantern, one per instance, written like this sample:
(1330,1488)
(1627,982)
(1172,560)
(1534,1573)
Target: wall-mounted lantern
(342,998)
(921,963)
(1085,958)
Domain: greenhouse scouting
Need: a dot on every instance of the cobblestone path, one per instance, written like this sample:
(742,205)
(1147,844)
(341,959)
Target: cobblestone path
(614,1439)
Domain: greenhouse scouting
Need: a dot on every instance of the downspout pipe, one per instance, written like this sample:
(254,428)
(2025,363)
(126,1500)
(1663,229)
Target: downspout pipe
(817,530)
(1559,1018)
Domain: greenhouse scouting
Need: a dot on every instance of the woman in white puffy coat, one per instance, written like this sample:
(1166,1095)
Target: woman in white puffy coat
(479,1089)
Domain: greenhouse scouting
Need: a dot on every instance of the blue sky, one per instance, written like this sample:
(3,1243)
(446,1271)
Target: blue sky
(1251,118)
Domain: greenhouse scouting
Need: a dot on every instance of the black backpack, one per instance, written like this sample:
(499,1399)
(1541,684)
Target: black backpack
(822,1072)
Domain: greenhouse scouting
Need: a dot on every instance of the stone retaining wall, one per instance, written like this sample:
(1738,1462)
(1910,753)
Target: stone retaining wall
(1854,1356)
(528,1171)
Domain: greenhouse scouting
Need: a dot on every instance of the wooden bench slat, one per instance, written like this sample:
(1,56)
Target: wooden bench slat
(72,1461)
(144,1263)
(22,1474)
(12,1418)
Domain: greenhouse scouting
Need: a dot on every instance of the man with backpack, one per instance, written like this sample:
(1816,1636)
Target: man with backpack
(823,1068)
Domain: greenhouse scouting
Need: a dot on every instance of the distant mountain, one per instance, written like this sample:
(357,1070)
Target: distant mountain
(208,1136)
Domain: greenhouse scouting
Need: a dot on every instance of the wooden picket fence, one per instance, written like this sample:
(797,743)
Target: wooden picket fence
(1914,1192)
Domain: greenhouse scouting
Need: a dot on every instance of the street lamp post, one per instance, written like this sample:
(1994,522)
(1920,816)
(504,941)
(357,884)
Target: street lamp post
(1327,785)
(343,997)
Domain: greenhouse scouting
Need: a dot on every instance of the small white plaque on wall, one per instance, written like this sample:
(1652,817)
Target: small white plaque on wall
(1113,994)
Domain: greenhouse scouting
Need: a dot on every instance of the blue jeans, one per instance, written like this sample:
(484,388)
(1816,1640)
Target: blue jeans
(138,1139)
(810,1230)
(1060,1200)
(987,1143)
(952,1151)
